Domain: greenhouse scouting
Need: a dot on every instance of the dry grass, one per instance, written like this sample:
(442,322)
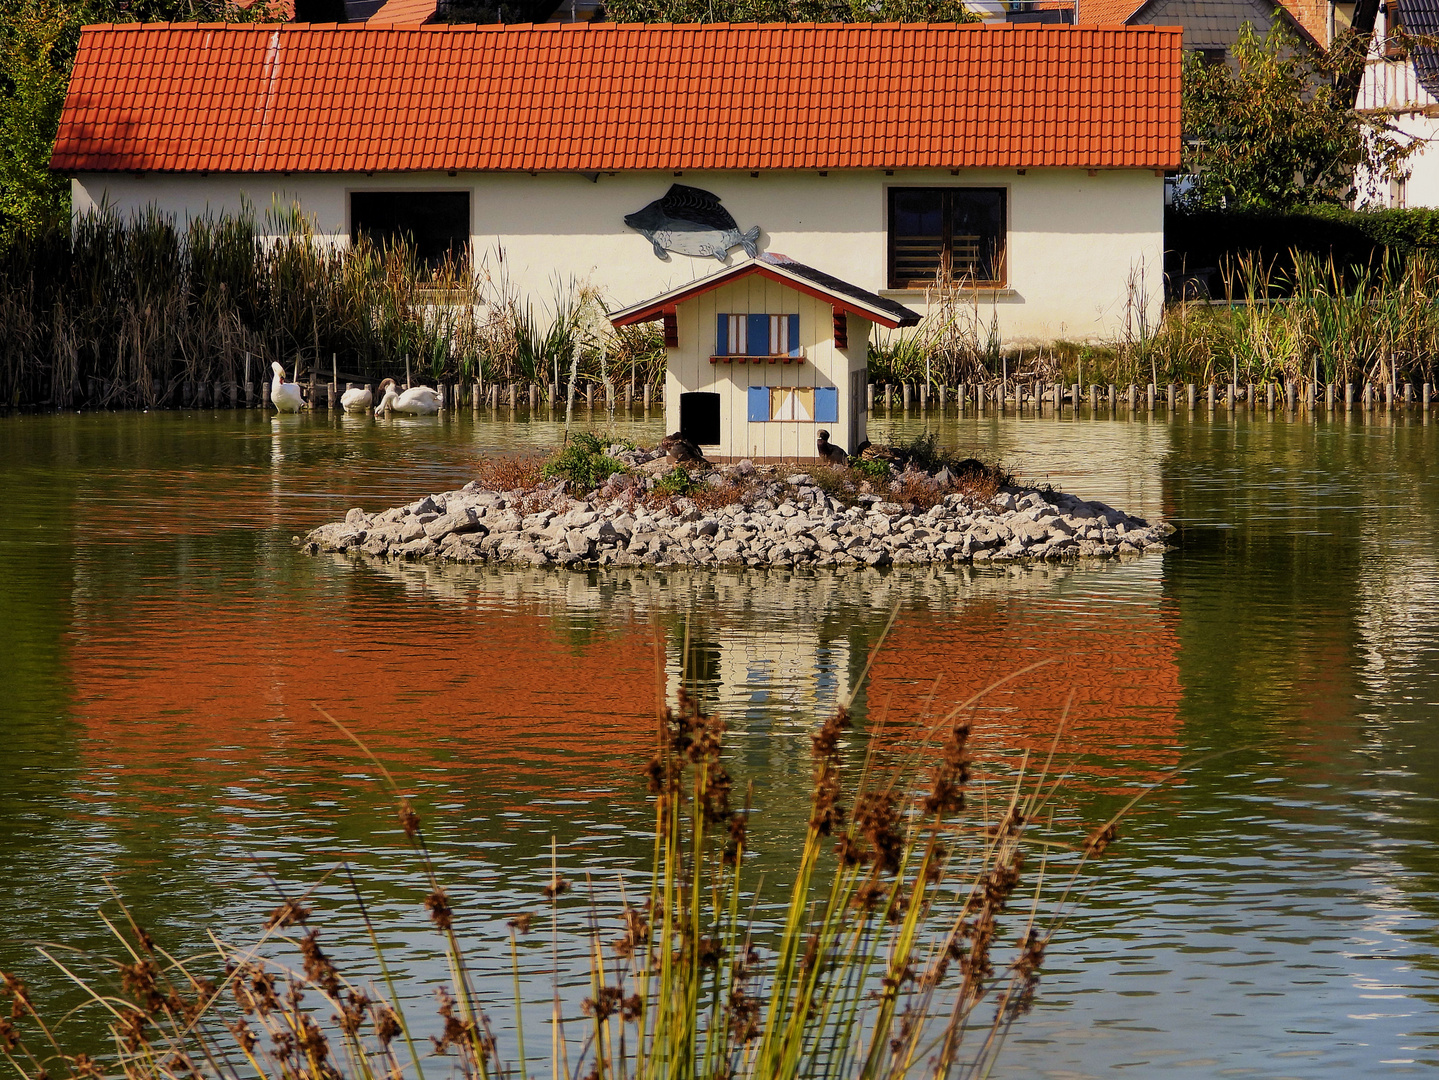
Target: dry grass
(510,473)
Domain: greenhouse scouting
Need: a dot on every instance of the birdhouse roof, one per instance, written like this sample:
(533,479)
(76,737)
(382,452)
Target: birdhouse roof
(806,279)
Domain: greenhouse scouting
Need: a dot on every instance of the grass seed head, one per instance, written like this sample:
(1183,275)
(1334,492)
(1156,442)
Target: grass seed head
(441,914)
(290,913)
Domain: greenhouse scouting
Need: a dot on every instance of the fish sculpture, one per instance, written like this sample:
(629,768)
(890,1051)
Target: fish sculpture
(691,221)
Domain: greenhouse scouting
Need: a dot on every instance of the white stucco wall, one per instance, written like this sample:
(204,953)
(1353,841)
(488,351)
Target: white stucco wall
(1075,241)
(1392,87)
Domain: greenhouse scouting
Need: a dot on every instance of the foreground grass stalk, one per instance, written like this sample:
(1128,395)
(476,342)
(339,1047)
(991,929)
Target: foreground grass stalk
(896,956)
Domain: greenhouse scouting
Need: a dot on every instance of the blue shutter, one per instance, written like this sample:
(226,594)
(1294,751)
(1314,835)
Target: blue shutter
(826,405)
(794,335)
(722,336)
(758,404)
(757,330)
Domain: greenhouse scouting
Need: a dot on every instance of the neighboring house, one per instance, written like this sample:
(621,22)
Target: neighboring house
(1401,79)
(1025,162)
(764,355)
(1212,27)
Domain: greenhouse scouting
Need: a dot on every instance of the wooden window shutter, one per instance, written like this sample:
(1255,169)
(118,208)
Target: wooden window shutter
(793,335)
(826,405)
(672,329)
(722,335)
(841,330)
(758,404)
(757,333)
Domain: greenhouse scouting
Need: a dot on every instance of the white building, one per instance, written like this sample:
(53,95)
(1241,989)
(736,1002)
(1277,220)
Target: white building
(1026,161)
(1401,79)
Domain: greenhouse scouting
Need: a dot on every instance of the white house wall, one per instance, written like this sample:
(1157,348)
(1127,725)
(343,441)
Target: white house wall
(1393,87)
(1078,246)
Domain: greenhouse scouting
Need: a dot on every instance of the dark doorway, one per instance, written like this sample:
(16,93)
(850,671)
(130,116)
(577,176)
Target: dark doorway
(433,223)
(700,418)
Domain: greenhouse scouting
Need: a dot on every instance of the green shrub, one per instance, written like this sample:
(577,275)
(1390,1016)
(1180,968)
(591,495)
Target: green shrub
(1209,239)
(677,481)
(584,462)
(874,471)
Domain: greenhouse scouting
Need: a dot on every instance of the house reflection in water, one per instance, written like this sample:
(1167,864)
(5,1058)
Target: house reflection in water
(529,682)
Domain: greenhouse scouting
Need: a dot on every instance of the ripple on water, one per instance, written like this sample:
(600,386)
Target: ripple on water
(1276,905)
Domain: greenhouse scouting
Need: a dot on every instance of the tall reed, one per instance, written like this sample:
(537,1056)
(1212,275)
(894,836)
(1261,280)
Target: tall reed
(924,899)
(122,312)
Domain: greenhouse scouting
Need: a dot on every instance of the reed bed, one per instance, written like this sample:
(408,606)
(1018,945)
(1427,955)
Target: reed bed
(926,895)
(1316,321)
(123,313)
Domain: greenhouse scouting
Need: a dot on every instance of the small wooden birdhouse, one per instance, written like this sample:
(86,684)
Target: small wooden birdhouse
(765,355)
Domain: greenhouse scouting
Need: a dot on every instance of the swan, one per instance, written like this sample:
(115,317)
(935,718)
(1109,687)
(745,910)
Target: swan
(285,396)
(357,399)
(417,400)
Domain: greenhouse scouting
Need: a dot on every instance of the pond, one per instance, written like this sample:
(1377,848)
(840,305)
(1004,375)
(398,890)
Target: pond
(1274,912)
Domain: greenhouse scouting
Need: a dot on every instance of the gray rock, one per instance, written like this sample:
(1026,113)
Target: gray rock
(601,531)
(412,530)
(416,549)
(578,519)
(462,522)
(508,522)
(577,543)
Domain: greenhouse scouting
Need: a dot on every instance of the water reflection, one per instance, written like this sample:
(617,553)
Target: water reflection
(1277,912)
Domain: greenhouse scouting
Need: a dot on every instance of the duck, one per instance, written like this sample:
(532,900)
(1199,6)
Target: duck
(828,451)
(417,400)
(357,399)
(680,450)
(284,395)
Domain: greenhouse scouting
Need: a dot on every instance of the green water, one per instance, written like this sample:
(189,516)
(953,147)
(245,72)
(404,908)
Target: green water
(1275,914)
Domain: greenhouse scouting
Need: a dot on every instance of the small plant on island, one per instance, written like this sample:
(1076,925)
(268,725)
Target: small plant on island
(585,462)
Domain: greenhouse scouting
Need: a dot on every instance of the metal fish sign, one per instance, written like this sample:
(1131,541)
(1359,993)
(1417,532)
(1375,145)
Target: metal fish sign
(690,221)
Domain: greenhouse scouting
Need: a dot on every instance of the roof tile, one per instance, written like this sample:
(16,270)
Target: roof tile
(576,98)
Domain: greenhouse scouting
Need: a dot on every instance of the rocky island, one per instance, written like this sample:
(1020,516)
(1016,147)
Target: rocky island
(650,512)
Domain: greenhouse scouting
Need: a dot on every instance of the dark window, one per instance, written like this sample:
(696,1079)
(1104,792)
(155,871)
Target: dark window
(1049,16)
(433,223)
(700,418)
(946,234)
(1396,45)
(1212,57)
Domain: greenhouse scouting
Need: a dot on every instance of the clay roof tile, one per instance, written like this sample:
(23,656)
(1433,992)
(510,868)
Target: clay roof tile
(557,97)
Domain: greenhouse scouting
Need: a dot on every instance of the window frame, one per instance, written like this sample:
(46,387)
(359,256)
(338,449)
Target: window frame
(725,335)
(1001,260)
(824,399)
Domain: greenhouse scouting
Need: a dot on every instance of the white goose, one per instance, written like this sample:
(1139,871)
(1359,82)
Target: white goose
(357,399)
(285,396)
(417,400)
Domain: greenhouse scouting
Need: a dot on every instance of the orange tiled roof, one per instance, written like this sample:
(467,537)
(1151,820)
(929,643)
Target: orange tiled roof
(586,97)
(408,12)
(1109,12)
